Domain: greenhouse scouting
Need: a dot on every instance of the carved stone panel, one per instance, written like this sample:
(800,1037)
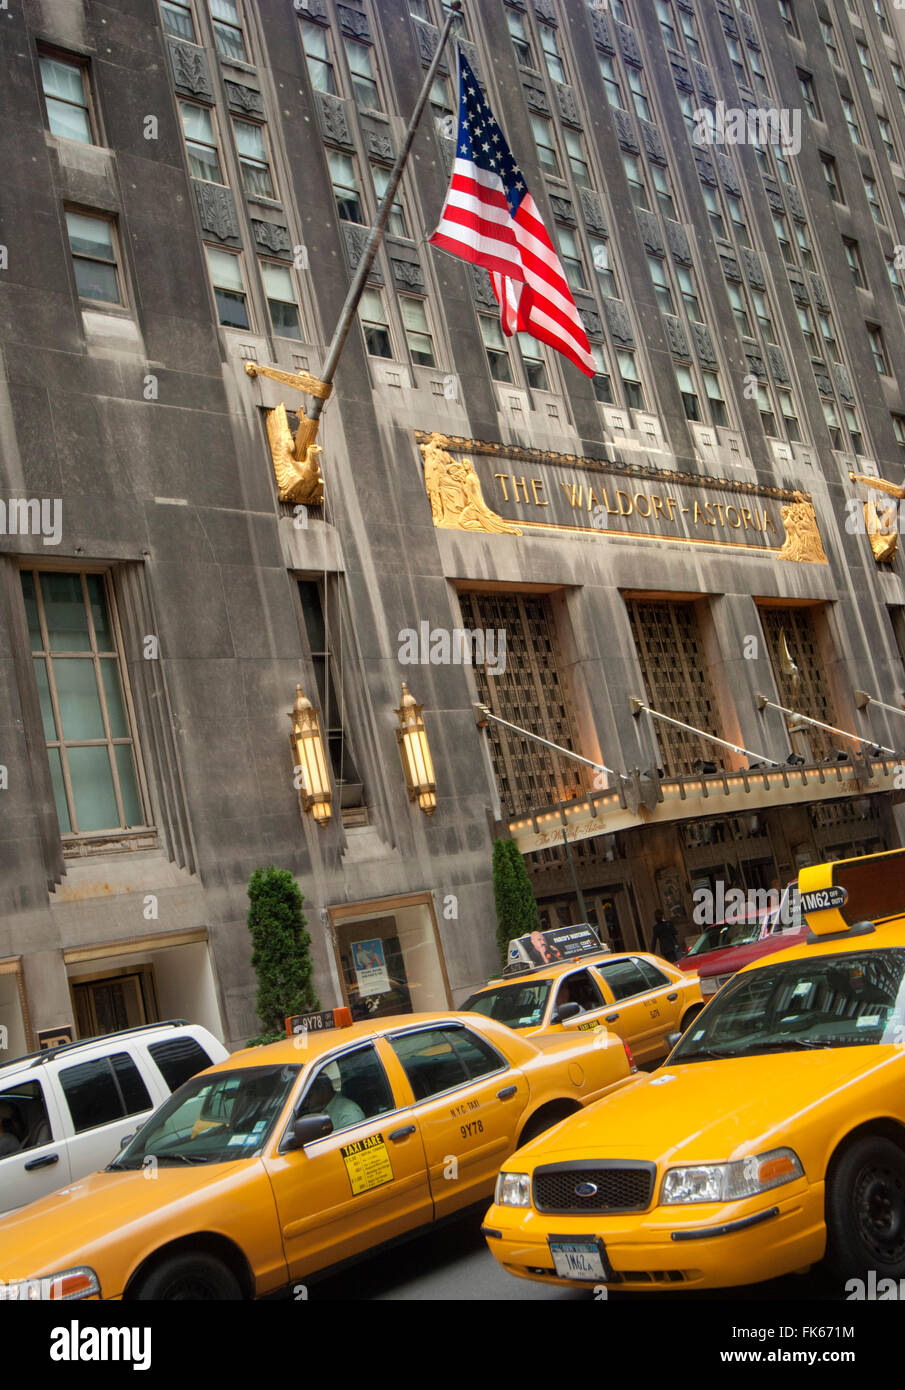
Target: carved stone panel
(625,130)
(190,70)
(728,175)
(380,145)
(729,25)
(677,241)
(652,141)
(681,74)
(619,322)
(704,81)
(592,208)
(750,30)
(600,27)
(705,167)
(546,10)
(408,275)
(753,269)
(774,195)
(271,236)
(428,38)
(563,210)
(244,99)
(650,232)
(730,265)
(843,384)
(703,344)
(818,289)
(676,335)
(217,211)
(778,364)
(799,288)
(472,58)
(628,44)
(756,364)
(824,385)
(354,23)
(592,322)
(565,100)
(334,120)
(482,289)
(356,239)
(311,9)
(537,100)
(794,202)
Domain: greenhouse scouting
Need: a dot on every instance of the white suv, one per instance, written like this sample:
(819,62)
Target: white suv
(64,1112)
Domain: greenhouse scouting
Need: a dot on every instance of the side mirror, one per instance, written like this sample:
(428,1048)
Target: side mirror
(672,1039)
(306,1129)
(565,1012)
(126,1140)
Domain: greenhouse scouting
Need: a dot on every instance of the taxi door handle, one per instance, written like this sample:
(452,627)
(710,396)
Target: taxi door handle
(404,1133)
(672,998)
(611,1018)
(44,1162)
(507,1093)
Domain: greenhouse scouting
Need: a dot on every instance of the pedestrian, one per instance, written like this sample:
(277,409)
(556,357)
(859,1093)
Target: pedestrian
(665,940)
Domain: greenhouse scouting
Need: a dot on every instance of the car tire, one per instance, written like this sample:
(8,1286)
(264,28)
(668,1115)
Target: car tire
(689,1018)
(193,1275)
(865,1211)
(540,1123)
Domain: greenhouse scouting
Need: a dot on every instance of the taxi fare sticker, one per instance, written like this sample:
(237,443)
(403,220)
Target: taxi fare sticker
(593,1023)
(367,1163)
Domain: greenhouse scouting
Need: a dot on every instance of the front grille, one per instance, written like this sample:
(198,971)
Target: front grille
(621,1186)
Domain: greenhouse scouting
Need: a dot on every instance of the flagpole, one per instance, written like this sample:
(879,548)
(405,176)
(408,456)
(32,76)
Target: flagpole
(369,255)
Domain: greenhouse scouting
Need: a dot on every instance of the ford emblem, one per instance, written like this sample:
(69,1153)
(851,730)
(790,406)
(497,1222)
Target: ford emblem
(586,1189)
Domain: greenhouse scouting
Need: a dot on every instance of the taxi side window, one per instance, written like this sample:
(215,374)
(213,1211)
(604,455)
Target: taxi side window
(24,1123)
(579,989)
(439,1059)
(624,978)
(350,1088)
(654,977)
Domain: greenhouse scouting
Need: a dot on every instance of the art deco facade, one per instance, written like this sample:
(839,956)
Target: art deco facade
(188,187)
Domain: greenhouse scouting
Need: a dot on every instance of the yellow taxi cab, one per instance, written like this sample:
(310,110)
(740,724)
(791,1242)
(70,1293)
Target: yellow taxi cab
(288,1159)
(773,1136)
(638,996)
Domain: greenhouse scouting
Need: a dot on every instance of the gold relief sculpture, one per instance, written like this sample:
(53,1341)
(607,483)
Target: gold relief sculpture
(295,461)
(802,543)
(454,489)
(882,527)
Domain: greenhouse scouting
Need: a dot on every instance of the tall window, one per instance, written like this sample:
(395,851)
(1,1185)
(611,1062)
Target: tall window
(66,98)
(397,223)
(600,253)
(851,120)
(639,96)
(177,19)
(829,39)
(809,96)
(521,40)
(316,42)
(787,14)
(84,707)
(781,227)
(252,148)
(802,685)
(200,142)
(345,187)
(832,178)
(546,146)
(611,82)
(881,18)
(229,288)
(689,393)
(328,679)
(685,277)
(853,257)
(534,363)
(789,415)
(718,412)
(895,279)
(888,139)
(417,331)
(91,240)
(739,308)
(631,382)
(603,383)
(671,654)
(281,300)
(764,315)
(552,55)
(632,166)
(662,290)
(878,349)
(802,236)
(665,202)
(375,324)
(578,161)
(807,329)
(873,198)
(828,334)
(364,80)
(497,349)
(571,258)
(864,60)
(228,34)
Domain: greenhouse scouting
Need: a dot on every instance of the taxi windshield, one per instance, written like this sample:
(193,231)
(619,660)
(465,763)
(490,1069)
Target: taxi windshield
(214,1118)
(847,1000)
(724,934)
(518,1005)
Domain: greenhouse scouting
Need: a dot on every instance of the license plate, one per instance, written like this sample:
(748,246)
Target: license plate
(578,1259)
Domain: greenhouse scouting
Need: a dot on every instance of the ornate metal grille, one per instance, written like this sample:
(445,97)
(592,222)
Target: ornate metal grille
(671,652)
(530,693)
(790,633)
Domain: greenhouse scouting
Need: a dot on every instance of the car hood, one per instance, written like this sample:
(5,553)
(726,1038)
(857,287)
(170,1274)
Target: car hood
(66,1227)
(707,1111)
(728,961)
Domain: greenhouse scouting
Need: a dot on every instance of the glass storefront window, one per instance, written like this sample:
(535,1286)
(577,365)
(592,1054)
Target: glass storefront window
(390,962)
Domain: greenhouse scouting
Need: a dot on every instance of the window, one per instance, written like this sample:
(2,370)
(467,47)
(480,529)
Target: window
(417,331)
(345,187)
(200,142)
(735,57)
(581,989)
(832,424)
(623,978)
(780,226)
(349,1089)
(281,300)
(886,136)
(737,215)
(497,351)
(667,28)
(692,46)
(229,288)
(740,312)
(316,42)
(94,257)
(851,119)
(26,1117)
(864,60)
(102,1091)
(179,1059)
(611,81)
(853,257)
(895,280)
(789,415)
(600,252)
(618,10)
(534,363)
(898,429)
(873,198)
(577,159)
(832,178)
(714,211)
(764,316)
(685,278)
(228,34)
(807,329)
(718,413)
(603,385)
(66,98)
(782,164)
(439,1059)
(663,191)
(321,622)
(898,75)
(639,96)
(881,18)
(632,166)
(828,333)
(364,81)
(253,159)
(756,64)
(829,39)
(570,253)
(375,324)
(878,349)
(397,223)
(809,96)
(177,19)
(854,430)
(661,284)
(521,41)
(787,16)
(552,55)
(689,394)
(631,384)
(441,106)
(802,236)
(767,416)
(546,148)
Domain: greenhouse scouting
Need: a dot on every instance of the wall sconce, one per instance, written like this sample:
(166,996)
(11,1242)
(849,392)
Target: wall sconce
(308,751)
(416,754)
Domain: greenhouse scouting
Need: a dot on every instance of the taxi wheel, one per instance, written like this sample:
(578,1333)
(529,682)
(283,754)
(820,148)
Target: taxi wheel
(690,1016)
(865,1210)
(189,1276)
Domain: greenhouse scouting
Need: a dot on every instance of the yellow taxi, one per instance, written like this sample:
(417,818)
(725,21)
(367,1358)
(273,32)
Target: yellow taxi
(640,997)
(284,1160)
(773,1136)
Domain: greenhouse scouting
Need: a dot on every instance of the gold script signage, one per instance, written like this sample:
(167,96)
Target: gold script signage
(501,489)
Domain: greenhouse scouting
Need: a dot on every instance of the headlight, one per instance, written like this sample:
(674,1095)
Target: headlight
(729,1182)
(709,985)
(513,1190)
(80,1282)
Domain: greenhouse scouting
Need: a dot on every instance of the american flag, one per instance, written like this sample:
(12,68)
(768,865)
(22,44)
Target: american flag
(490,219)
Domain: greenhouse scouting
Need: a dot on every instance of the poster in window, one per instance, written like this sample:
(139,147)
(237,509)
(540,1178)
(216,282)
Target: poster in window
(370,967)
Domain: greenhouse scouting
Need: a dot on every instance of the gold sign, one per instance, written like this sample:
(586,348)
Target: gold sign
(506,490)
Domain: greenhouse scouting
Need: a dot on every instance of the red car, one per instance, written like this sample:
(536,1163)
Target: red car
(725,947)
